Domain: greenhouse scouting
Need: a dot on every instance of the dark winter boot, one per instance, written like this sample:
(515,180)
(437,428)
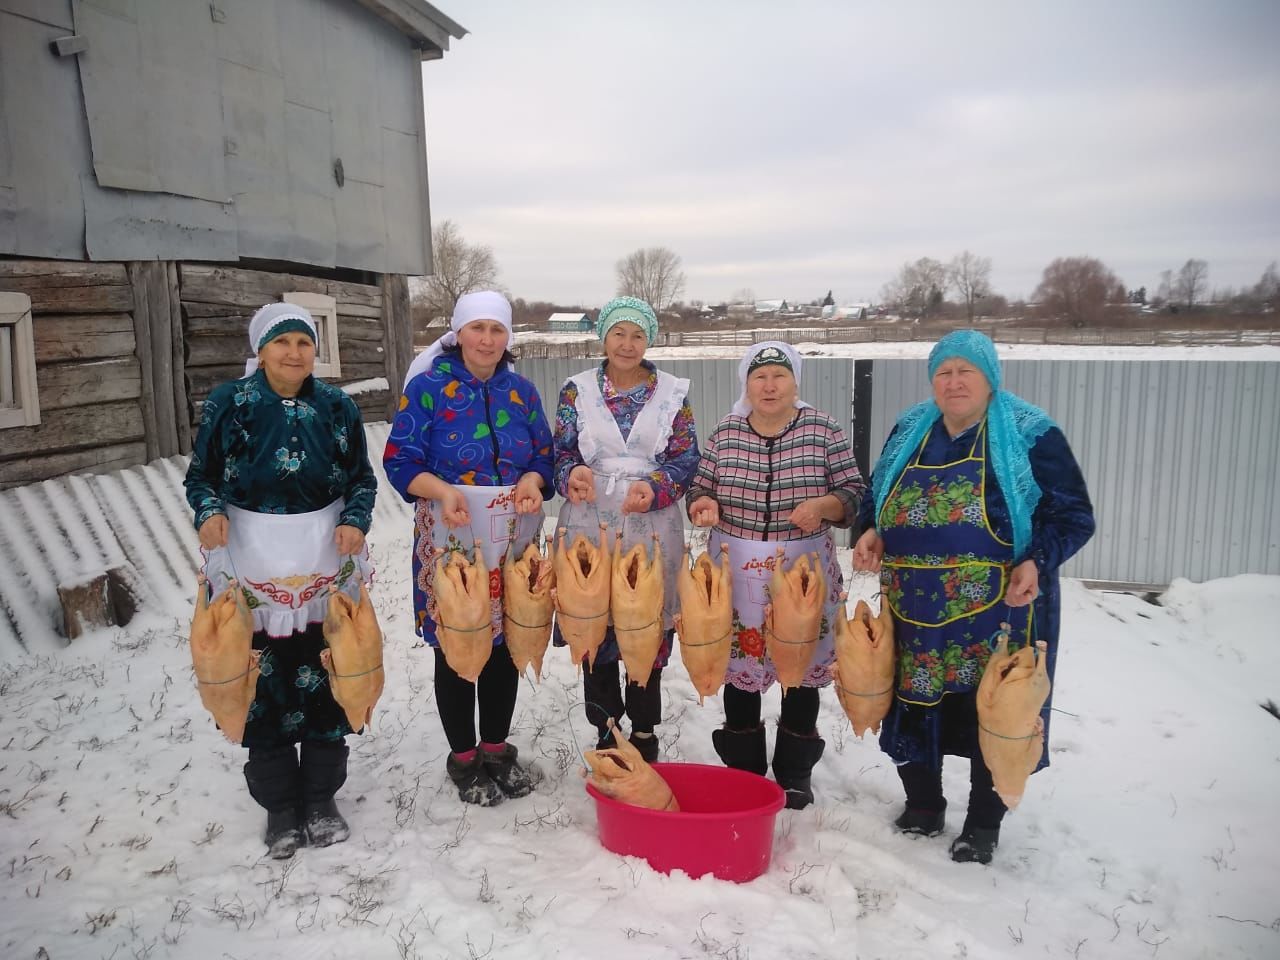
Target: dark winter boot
(472,780)
(794,758)
(272,776)
(742,749)
(924,823)
(647,745)
(511,778)
(975,845)
(324,771)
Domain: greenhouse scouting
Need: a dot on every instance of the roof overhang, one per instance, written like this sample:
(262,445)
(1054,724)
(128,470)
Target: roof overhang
(429,29)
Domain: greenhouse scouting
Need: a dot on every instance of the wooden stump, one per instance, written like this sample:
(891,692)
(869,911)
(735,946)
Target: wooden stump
(107,599)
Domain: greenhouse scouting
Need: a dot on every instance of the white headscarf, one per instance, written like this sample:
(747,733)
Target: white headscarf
(481,305)
(262,327)
(742,407)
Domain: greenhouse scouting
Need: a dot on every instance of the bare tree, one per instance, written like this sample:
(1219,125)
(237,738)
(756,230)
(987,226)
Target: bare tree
(1269,286)
(919,288)
(971,277)
(460,267)
(1078,288)
(744,295)
(1192,283)
(653,274)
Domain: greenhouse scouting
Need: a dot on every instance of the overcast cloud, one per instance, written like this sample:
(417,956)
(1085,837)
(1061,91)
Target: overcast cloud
(792,148)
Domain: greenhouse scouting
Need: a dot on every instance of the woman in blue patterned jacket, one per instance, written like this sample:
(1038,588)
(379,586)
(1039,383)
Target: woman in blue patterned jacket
(471,448)
(283,493)
(975,503)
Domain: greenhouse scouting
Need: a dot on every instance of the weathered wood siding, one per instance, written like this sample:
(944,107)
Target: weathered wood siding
(88,373)
(217,303)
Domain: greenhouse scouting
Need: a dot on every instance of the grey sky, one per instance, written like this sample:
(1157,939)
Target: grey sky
(796,147)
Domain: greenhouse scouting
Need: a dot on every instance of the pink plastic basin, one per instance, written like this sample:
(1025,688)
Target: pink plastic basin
(724,825)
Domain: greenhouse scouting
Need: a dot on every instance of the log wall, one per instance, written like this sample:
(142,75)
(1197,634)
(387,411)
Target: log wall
(217,303)
(127,353)
(87,370)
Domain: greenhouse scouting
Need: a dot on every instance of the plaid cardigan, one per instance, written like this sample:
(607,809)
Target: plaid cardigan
(758,481)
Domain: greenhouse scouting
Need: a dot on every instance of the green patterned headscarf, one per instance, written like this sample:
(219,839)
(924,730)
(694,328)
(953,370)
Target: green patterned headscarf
(631,309)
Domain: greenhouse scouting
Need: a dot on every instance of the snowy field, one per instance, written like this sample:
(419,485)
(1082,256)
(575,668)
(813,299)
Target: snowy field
(128,832)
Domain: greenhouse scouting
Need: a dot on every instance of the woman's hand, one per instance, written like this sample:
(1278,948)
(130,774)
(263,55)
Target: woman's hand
(213,532)
(528,493)
(868,552)
(704,512)
(639,498)
(350,540)
(453,508)
(807,515)
(1024,584)
(581,485)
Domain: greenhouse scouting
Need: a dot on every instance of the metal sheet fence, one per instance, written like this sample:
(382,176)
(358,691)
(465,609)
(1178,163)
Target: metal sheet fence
(1181,457)
(713,385)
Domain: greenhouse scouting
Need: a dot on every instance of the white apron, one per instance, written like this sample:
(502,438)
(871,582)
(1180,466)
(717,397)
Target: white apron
(616,464)
(285,563)
(751,563)
(494,522)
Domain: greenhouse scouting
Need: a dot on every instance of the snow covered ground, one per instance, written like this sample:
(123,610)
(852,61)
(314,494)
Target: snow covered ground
(128,832)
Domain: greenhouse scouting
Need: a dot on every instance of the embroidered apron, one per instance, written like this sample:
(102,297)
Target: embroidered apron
(944,575)
(494,522)
(616,464)
(751,564)
(285,563)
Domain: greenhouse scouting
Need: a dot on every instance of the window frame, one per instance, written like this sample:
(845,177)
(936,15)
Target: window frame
(15,312)
(324,310)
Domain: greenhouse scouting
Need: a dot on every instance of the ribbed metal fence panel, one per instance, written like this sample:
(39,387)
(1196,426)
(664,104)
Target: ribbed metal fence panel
(713,385)
(1181,458)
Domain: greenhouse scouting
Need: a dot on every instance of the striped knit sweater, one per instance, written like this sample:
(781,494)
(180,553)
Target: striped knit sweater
(758,481)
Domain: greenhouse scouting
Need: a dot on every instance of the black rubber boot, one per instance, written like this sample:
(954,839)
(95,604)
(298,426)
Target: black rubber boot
(503,770)
(742,749)
(975,845)
(473,783)
(272,776)
(794,757)
(324,771)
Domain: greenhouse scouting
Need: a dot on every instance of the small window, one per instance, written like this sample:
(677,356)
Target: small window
(324,310)
(19,397)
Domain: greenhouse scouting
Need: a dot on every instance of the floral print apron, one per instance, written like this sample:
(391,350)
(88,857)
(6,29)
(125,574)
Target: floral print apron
(944,574)
(751,564)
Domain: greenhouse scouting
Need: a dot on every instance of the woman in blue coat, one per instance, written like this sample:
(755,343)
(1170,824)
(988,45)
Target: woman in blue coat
(471,448)
(975,503)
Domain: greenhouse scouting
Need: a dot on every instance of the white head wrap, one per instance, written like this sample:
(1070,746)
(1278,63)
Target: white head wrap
(265,321)
(742,407)
(481,305)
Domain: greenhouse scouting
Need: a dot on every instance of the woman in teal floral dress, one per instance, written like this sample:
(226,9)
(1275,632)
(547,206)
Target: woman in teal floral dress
(282,491)
(975,503)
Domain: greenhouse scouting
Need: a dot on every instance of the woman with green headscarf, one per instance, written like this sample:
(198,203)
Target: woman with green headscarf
(625,451)
(975,503)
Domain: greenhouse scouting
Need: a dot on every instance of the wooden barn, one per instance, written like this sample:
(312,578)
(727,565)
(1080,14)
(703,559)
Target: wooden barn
(168,166)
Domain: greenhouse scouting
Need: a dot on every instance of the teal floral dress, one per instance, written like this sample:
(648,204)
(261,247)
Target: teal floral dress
(265,453)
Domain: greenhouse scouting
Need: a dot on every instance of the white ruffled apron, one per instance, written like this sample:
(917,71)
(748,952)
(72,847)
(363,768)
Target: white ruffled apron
(751,564)
(616,464)
(495,523)
(285,563)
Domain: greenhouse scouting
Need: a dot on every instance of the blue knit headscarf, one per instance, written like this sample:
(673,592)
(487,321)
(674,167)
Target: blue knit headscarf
(632,310)
(1013,427)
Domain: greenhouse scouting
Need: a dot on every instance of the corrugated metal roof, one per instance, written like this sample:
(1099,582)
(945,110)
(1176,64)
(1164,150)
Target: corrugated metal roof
(65,531)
